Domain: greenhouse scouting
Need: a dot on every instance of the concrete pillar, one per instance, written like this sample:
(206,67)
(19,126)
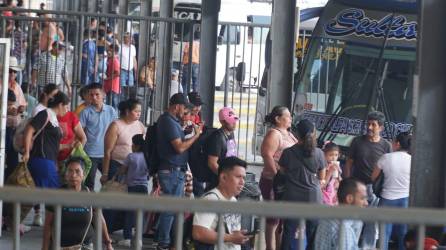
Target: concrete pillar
(144,35)
(123,9)
(208,55)
(283,33)
(163,59)
(107,6)
(428,173)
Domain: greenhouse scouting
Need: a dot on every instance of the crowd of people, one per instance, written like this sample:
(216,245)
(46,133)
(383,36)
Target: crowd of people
(107,126)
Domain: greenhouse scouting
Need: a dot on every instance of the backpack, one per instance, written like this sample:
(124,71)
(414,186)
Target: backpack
(187,234)
(198,159)
(150,150)
(18,140)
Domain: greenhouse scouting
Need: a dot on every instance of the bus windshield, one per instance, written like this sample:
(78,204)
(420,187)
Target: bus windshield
(348,79)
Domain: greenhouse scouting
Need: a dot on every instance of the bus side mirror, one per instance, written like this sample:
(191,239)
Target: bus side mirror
(219,40)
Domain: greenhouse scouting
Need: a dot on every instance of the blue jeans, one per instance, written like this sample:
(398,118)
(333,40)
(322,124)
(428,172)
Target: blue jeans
(195,80)
(113,99)
(172,184)
(289,241)
(400,229)
(130,216)
(127,78)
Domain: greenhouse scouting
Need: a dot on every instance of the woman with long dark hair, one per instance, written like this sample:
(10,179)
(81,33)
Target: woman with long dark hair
(304,167)
(43,151)
(277,139)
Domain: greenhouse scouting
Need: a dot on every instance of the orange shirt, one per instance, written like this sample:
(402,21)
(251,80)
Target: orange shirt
(195,53)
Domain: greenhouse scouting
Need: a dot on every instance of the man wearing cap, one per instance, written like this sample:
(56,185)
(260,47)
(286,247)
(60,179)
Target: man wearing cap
(50,68)
(128,61)
(172,148)
(175,86)
(195,100)
(221,144)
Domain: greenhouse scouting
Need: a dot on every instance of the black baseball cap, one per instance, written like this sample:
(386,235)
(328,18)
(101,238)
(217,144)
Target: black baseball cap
(178,98)
(195,99)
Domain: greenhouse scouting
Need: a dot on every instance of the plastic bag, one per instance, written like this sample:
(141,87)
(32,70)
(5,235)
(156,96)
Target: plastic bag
(78,151)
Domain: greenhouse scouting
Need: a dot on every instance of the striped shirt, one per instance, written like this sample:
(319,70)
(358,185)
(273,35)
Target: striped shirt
(51,69)
(327,235)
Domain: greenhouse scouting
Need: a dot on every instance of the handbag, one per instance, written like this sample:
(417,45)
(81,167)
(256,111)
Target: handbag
(20,177)
(115,185)
(378,185)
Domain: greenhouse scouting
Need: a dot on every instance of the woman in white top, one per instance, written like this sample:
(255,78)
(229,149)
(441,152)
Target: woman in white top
(395,193)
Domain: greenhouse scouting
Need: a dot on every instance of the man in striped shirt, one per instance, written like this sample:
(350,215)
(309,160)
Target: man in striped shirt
(351,192)
(51,68)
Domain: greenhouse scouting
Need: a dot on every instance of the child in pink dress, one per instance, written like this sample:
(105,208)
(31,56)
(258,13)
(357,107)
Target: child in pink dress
(333,175)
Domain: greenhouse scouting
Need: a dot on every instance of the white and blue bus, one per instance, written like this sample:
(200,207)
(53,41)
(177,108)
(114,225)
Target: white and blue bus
(361,57)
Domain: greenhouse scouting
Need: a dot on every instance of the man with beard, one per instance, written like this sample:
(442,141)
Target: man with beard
(364,153)
(172,149)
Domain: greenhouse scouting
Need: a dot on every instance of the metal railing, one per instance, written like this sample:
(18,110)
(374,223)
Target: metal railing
(300,211)
(239,73)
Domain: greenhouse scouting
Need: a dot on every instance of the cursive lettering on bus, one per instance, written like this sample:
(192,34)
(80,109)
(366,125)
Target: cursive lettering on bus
(354,21)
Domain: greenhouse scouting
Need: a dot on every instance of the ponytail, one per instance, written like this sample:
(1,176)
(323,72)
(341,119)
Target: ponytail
(309,145)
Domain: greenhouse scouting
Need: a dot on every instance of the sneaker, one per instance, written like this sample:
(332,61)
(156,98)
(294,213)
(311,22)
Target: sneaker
(125,243)
(37,221)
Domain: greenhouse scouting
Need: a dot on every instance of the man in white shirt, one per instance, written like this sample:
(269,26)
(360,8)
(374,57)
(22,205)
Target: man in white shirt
(231,175)
(128,61)
(175,86)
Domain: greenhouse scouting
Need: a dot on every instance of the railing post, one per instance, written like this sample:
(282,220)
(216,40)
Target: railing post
(57,227)
(16,226)
(301,233)
(341,234)
(420,237)
(220,232)
(138,227)
(382,235)
(179,231)
(98,227)
(261,238)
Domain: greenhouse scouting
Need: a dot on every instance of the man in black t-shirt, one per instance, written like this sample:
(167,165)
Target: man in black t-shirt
(364,153)
(221,143)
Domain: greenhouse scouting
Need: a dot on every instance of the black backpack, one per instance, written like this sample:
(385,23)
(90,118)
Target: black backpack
(150,150)
(198,159)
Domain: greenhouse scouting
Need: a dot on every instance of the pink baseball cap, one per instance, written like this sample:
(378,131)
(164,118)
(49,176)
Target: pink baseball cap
(227,114)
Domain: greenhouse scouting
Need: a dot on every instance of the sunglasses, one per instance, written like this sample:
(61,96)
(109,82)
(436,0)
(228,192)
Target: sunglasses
(12,71)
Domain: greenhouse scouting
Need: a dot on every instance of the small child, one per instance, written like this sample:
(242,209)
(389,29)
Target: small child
(136,168)
(333,174)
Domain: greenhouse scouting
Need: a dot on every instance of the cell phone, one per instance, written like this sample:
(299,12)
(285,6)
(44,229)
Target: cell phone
(252,233)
